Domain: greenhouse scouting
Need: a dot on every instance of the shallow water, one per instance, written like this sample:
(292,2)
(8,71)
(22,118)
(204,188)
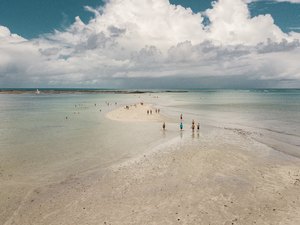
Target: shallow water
(36,137)
(38,142)
(274,114)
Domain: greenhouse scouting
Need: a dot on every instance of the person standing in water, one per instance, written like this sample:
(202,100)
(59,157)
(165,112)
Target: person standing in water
(181,126)
(181,117)
(198,127)
(193,127)
(164,126)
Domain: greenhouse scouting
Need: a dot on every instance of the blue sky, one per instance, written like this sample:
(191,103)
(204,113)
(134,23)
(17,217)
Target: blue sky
(31,18)
(149,43)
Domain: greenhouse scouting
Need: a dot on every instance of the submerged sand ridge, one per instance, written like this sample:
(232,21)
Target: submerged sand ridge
(136,113)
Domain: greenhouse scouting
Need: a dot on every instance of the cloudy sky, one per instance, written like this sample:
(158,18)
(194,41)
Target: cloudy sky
(150,43)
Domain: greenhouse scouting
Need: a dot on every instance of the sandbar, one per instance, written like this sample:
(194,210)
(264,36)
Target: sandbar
(136,113)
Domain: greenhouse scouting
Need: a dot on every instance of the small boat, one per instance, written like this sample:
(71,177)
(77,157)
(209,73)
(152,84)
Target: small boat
(37,92)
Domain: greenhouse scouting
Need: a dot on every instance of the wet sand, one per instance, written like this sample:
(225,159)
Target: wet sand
(216,176)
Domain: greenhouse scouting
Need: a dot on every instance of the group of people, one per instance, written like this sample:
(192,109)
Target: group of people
(193,126)
(181,124)
(149,112)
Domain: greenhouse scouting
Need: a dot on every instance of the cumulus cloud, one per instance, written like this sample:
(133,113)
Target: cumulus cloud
(138,39)
(291,1)
(232,24)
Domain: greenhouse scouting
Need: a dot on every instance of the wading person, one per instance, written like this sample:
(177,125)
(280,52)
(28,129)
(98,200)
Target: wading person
(193,127)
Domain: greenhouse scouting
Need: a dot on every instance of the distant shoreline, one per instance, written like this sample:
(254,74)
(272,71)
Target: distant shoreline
(82,91)
(134,91)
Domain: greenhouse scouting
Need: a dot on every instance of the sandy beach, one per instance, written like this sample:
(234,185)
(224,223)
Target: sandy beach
(136,113)
(188,179)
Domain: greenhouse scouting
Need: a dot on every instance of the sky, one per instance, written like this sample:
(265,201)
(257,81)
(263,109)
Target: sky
(150,43)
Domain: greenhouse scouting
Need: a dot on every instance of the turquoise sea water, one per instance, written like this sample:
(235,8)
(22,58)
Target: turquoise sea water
(272,115)
(36,137)
(37,141)
(277,110)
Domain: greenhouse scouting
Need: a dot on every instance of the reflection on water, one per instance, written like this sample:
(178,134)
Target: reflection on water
(193,134)
(274,113)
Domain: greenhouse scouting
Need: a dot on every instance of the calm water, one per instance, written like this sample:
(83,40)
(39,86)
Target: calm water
(272,116)
(37,141)
(278,110)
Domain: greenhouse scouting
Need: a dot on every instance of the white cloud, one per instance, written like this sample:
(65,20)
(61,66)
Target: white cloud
(7,36)
(152,38)
(231,24)
(291,1)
